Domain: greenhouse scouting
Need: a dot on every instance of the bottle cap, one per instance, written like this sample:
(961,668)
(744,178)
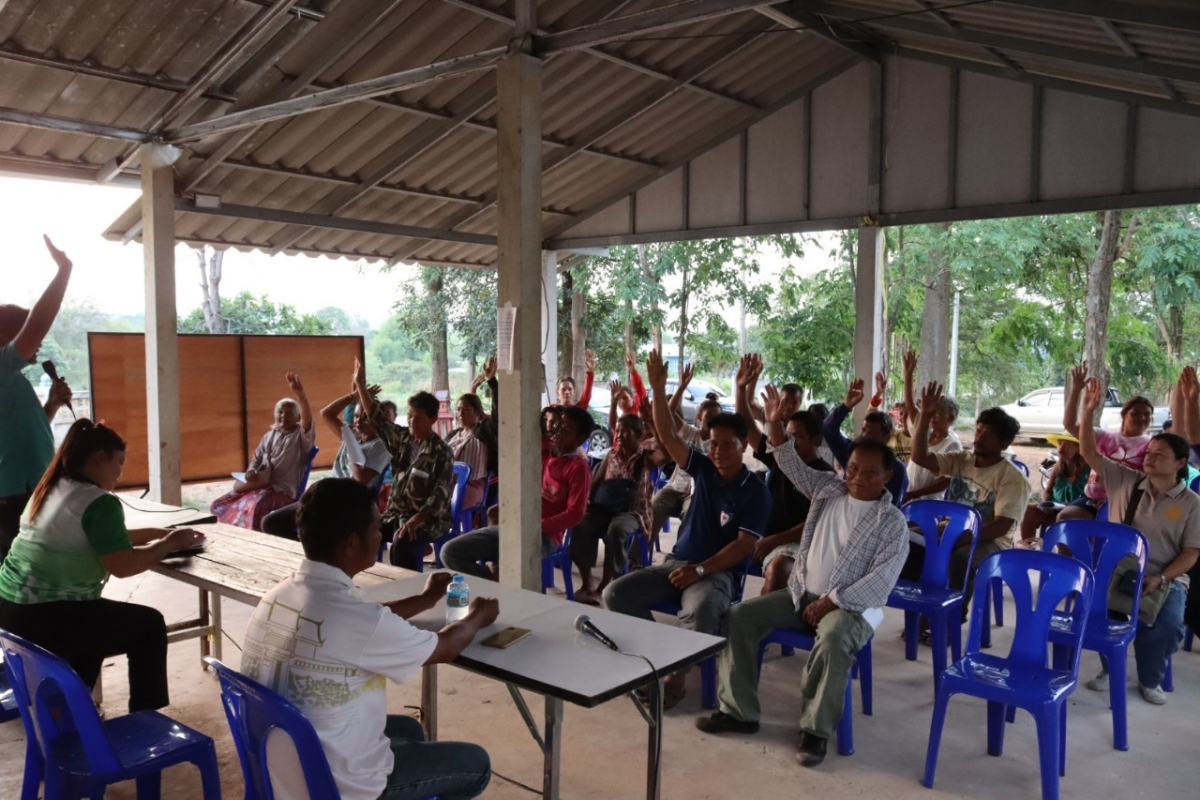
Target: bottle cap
(458,579)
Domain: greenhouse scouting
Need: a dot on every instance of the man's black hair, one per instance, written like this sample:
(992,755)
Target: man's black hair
(331,511)
(809,421)
(791,387)
(1003,425)
(885,453)
(583,420)
(425,402)
(881,419)
(388,405)
(733,422)
(820,409)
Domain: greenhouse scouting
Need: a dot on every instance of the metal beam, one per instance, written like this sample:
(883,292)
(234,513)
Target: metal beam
(1120,10)
(643,23)
(1062,84)
(829,73)
(51,169)
(301,12)
(261,214)
(1127,47)
(330,98)
(795,14)
(51,122)
(1130,62)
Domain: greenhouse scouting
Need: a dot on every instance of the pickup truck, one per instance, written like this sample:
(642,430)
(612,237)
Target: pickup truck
(1041,412)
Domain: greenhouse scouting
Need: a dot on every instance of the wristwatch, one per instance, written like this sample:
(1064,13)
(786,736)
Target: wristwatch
(699,570)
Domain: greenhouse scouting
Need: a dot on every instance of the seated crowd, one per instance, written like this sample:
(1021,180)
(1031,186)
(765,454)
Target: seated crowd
(825,528)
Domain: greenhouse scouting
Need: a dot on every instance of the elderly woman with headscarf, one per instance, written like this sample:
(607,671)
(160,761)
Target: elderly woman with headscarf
(272,480)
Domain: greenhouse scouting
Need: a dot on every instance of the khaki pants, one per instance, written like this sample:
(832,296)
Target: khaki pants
(839,637)
(668,503)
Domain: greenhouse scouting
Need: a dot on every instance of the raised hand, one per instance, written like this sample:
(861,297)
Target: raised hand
(910,363)
(294,382)
(489,368)
(656,371)
(1093,396)
(629,362)
(360,375)
(854,395)
(1076,377)
(60,258)
(589,361)
(685,376)
(476,382)
(771,404)
(745,371)
(1189,384)
(931,399)
(614,389)
(880,384)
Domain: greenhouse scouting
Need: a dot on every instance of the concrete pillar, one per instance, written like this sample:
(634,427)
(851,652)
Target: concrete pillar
(550,324)
(519,202)
(162,340)
(868,314)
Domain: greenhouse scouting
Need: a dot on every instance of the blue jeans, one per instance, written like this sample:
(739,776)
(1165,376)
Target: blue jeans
(702,605)
(449,770)
(465,553)
(1154,644)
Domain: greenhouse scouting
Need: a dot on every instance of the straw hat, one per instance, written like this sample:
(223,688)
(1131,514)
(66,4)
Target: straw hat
(1057,438)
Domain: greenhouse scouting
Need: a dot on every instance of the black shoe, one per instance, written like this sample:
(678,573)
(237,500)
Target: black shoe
(720,722)
(811,750)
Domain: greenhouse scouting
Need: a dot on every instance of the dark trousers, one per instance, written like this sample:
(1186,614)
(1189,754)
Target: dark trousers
(11,509)
(405,552)
(282,522)
(85,632)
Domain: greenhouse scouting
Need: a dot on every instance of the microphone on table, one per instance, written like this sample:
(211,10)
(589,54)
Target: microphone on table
(584,624)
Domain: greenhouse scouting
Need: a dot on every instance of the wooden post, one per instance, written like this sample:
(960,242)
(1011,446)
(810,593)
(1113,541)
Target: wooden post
(550,324)
(519,202)
(868,314)
(162,340)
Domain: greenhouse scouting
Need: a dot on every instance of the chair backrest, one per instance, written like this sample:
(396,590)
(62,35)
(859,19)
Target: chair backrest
(959,519)
(1100,546)
(1195,484)
(462,474)
(1102,512)
(312,456)
(54,702)
(253,712)
(1021,465)
(1060,582)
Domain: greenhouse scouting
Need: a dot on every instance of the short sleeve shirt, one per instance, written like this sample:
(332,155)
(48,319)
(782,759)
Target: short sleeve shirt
(26,442)
(1129,451)
(314,641)
(996,491)
(680,480)
(719,510)
(1170,522)
(789,505)
(375,453)
(57,555)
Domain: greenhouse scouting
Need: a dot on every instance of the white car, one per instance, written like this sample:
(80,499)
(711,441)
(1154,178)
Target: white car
(1041,412)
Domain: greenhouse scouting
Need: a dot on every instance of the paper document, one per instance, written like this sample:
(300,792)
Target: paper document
(506,325)
(354,450)
(239,476)
(916,537)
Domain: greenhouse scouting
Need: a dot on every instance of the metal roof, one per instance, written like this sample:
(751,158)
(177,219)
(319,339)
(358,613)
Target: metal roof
(411,174)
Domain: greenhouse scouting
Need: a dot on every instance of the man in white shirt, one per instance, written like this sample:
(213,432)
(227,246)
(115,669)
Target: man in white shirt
(314,641)
(854,544)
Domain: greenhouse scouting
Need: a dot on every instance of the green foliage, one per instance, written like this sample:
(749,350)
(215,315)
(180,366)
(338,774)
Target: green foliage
(67,342)
(466,304)
(395,363)
(247,314)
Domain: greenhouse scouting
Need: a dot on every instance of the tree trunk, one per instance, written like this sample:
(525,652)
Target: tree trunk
(628,325)
(566,333)
(683,317)
(1175,326)
(655,328)
(935,321)
(578,334)
(210,287)
(1099,295)
(439,356)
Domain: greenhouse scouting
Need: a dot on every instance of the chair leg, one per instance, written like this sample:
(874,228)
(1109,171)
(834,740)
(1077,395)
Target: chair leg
(954,631)
(149,786)
(912,630)
(940,703)
(845,728)
(998,602)
(937,631)
(708,683)
(1049,722)
(864,678)
(1118,697)
(547,574)
(210,776)
(1168,684)
(1010,715)
(35,768)
(568,582)
(1188,636)
(1062,739)
(995,728)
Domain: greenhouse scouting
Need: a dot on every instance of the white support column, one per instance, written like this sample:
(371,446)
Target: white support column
(868,314)
(162,341)
(550,324)
(519,202)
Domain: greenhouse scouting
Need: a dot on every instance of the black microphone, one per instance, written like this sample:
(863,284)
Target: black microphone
(584,624)
(49,368)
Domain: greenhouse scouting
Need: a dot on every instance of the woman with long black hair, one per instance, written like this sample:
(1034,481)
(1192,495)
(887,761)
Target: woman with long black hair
(73,539)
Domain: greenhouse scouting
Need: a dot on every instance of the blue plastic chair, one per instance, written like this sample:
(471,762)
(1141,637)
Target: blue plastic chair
(1195,484)
(1100,546)
(462,474)
(790,639)
(8,698)
(932,596)
(559,559)
(470,518)
(76,752)
(636,542)
(312,456)
(1022,678)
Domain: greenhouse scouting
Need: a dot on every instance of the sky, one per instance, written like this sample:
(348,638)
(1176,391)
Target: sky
(109,274)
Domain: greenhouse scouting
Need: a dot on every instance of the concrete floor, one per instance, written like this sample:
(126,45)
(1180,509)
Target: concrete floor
(604,748)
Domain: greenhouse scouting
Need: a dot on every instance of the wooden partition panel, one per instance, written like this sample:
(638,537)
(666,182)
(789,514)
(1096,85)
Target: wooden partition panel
(228,389)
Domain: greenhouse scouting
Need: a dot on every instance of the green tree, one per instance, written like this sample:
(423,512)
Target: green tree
(247,314)
(67,342)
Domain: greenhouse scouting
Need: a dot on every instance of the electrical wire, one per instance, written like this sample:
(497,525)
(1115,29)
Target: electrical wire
(524,786)
(826,27)
(658,699)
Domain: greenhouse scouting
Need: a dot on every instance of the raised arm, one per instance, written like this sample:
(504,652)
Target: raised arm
(331,414)
(1087,434)
(585,397)
(1075,378)
(1189,388)
(839,445)
(931,400)
(41,317)
(685,377)
(802,476)
(910,401)
(743,390)
(664,422)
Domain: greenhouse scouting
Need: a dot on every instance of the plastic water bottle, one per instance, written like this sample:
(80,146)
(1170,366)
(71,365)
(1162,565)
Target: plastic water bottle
(458,598)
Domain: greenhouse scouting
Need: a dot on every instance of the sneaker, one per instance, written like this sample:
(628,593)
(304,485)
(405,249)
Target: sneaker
(811,750)
(1099,683)
(720,722)
(1154,696)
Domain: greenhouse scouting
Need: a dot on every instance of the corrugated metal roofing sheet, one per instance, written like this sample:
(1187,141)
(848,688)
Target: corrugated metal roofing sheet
(618,109)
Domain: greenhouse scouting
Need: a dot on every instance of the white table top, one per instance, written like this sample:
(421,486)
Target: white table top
(556,659)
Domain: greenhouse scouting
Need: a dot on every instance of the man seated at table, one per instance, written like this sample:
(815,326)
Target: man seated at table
(329,652)
(566,484)
(855,542)
(727,516)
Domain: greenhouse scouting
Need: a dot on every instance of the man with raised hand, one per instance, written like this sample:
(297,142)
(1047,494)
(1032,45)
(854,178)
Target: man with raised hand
(727,516)
(876,425)
(854,544)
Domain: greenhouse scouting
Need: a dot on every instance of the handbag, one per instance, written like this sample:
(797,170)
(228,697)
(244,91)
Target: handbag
(1123,584)
(616,495)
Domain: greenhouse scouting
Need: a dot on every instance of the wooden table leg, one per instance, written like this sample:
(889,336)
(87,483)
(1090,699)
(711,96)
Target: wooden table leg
(204,620)
(214,602)
(429,701)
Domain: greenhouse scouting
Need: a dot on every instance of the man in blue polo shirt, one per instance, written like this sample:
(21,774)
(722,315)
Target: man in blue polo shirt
(728,514)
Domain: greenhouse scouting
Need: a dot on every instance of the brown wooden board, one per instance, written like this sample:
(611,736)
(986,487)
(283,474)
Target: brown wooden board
(228,387)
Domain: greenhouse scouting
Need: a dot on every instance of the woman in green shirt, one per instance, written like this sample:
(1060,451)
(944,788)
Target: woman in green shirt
(73,539)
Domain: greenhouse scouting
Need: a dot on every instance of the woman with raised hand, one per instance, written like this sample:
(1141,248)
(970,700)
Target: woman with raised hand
(75,538)
(272,480)
(1156,501)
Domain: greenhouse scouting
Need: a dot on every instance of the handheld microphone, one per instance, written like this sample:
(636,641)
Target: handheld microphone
(584,624)
(49,368)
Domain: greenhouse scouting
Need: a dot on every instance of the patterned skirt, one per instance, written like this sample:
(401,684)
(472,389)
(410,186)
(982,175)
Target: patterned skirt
(247,510)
